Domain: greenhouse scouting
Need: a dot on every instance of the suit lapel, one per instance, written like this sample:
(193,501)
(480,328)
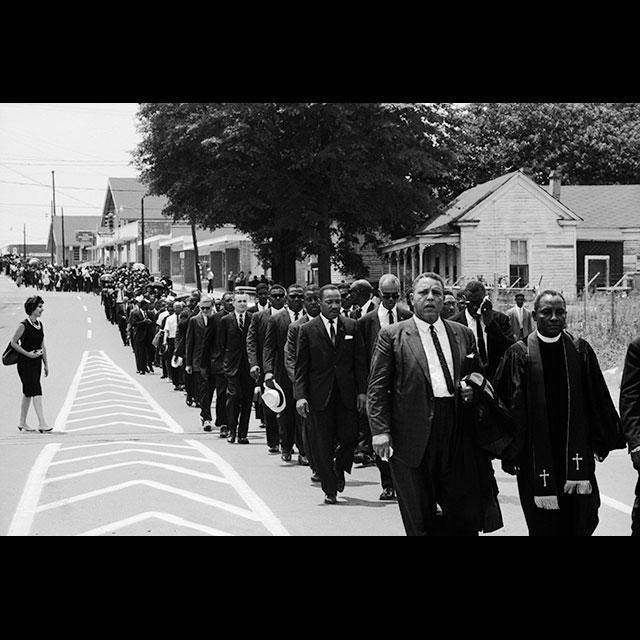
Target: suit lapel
(340,333)
(322,329)
(456,350)
(415,344)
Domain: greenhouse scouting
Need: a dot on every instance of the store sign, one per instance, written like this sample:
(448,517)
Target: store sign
(85,237)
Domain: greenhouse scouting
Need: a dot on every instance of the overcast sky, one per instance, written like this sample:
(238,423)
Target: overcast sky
(83,143)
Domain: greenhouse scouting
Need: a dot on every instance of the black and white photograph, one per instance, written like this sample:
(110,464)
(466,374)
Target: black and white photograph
(320,319)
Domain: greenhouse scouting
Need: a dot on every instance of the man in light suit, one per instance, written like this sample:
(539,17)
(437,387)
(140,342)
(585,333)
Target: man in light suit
(388,313)
(491,329)
(330,389)
(414,402)
(232,345)
(521,319)
(197,363)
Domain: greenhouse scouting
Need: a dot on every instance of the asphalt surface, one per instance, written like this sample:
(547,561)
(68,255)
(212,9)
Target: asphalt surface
(130,458)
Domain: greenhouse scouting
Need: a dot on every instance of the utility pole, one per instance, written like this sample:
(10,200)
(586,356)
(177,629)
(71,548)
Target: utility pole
(142,227)
(64,262)
(24,231)
(53,211)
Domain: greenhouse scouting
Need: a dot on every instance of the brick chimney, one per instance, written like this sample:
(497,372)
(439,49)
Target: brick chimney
(555,180)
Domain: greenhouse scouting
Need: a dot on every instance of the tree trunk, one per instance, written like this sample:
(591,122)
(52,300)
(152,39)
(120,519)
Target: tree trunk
(324,256)
(283,261)
(196,254)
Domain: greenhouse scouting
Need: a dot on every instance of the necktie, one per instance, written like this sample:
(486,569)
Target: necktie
(391,321)
(481,345)
(357,313)
(297,314)
(241,322)
(332,331)
(443,361)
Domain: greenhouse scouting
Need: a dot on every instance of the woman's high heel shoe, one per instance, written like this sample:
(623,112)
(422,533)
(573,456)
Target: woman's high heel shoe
(47,430)
(25,427)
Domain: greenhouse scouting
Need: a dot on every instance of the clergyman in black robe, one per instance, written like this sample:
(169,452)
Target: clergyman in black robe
(565,420)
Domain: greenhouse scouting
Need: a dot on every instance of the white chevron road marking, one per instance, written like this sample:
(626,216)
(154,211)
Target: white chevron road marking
(150,515)
(133,450)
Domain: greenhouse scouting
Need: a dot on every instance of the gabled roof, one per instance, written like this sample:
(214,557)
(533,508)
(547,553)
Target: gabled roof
(124,196)
(603,206)
(73,224)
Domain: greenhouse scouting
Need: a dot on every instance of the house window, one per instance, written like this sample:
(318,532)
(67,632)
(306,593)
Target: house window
(518,264)
(76,254)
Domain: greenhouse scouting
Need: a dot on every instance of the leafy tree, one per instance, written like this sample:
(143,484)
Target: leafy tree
(299,178)
(591,143)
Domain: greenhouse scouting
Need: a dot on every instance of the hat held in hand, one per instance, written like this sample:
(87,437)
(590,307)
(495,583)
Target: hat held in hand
(274,398)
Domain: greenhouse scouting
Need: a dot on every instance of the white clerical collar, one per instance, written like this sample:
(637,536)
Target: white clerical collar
(424,326)
(548,340)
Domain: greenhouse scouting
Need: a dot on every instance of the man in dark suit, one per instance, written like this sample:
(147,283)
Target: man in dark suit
(255,350)
(491,329)
(388,313)
(414,402)
(196,363)
(273,360)
(630,415)
(215,358)
(142,325)
(262,298)
(232,344)
(361,298)
(330,388)
(311,305)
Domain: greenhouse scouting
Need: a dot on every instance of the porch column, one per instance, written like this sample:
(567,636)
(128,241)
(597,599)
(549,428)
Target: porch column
(398,265)
(413,263)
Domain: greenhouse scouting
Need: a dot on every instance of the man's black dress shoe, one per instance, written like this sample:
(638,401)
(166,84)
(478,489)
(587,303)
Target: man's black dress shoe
(286,456)
(330,499)
(303,461)
(224,432)
(232,438)
(315,478)
(243,440)
(388,494)
(274,449)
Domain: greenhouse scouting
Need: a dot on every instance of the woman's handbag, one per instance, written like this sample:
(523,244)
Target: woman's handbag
(10,356)
(156,339)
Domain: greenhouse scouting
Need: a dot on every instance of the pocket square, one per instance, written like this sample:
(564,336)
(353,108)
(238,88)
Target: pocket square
(348,337)
(470,356)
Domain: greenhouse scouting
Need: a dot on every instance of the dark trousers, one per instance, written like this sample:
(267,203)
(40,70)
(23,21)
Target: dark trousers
(290,423)
(239,401)
(188,383)
(206,387)
(365,444)
(140,350)
(272,428)
(335,424)
(151,353)
(174,372)
(122,326)
(635,518)
(210,287)
(221,399)
(306,441)
(260,411)
(420,489)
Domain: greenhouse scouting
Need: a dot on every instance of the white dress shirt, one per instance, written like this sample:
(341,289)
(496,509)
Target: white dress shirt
(383,315)
(328,327)
(471,323)
(519,314)
(161,317)
(244,319)
(438,381)
(171,326)
(292,315)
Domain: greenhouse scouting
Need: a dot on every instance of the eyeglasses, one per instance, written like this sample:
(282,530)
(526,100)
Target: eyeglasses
(296,296)
(390,296)
(277,295)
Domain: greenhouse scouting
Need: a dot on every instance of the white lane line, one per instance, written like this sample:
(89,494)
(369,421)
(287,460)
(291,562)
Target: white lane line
(68,402)
(196,497)
(88,320)
(112,415)
(89,334)
(120,451)
(264,514)
(129,442)
(141,463)
(79,298)
(23,517)
(84,307)
(616,504)
(158,515)
(112,385)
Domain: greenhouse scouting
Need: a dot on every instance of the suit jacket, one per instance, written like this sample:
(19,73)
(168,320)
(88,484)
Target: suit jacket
(143,329)
(274,342)
(527,322)
(232,344)
(400,398)
(256,337)
(320,364)
(499,339)
(195,343)
(291,347)
(369,325)
(630,395)
(357,314)
(211,353)
(181,333)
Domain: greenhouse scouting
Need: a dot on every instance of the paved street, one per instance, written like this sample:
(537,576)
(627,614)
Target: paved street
(130,457)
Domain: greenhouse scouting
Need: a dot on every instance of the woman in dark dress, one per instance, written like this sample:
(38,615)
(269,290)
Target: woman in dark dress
(28,341)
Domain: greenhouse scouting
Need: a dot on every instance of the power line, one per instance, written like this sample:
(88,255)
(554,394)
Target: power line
(28,184)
